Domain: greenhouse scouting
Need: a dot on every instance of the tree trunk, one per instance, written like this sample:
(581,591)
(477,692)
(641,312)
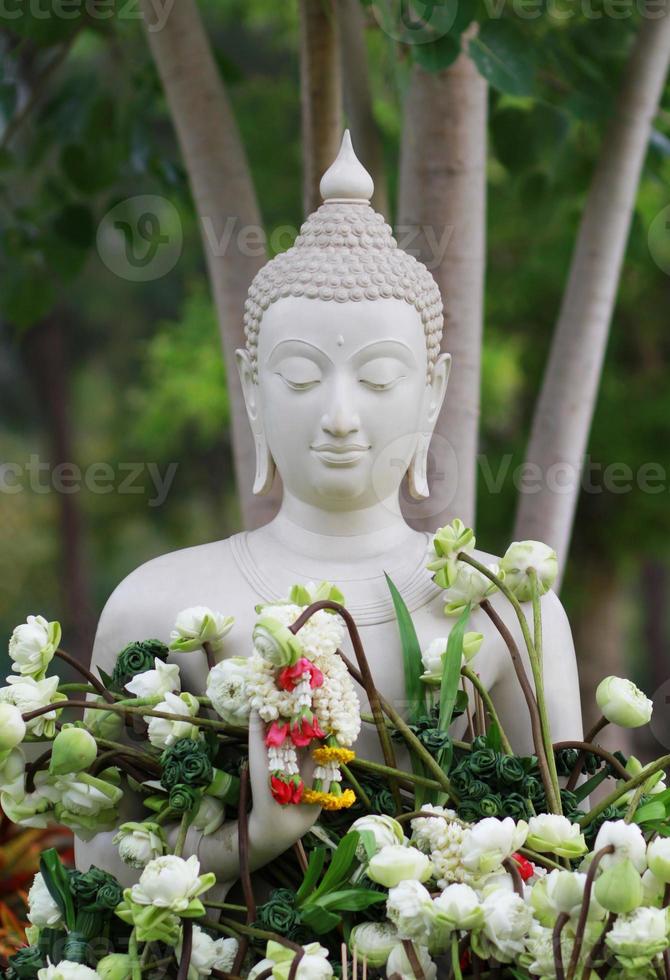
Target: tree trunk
(225,200)
(598,628)
(565,407)
(365,133)
(45,351)
(654,592)
(321,95)
(442,220)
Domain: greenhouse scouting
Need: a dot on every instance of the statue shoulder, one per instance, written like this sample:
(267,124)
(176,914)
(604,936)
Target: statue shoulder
(145,604)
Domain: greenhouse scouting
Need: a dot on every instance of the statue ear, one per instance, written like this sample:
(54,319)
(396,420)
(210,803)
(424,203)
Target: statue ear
(436,389)
(265,465)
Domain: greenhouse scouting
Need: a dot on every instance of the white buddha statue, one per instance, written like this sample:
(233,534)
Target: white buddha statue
(344,381)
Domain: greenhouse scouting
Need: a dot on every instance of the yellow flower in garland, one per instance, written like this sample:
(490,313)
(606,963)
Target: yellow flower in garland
(330,801)
(333,753)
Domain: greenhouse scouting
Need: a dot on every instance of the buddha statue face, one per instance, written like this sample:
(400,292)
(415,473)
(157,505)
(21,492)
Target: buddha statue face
(340,401)
(342,375)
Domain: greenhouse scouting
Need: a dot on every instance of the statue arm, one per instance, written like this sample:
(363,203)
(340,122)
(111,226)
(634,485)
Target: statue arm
(272,828)
(561,680)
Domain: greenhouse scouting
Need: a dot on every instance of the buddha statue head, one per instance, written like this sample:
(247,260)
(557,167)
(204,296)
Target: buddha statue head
(342,372)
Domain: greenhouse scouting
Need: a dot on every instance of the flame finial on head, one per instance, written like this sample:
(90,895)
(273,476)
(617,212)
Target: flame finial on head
(346,179)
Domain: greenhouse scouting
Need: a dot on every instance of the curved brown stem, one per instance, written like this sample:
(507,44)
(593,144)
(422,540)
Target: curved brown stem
(584,910)
(410,953)
(556,944)
(589,737)
(33,768)
(85,672)
(366,677)
(292,973)
(209,653)
(510,865)
(528,694)
(597,950)
(245,869)
(123,761)
(186,948)
(587,747)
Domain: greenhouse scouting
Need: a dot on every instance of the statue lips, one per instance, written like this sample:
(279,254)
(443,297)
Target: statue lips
(340,455)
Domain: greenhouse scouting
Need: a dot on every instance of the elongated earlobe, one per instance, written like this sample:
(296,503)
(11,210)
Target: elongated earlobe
(417,474)
(265,464)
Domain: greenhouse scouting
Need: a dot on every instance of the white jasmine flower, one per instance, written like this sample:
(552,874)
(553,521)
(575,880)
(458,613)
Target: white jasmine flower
(198,625)
(227,690)
(66,970)
(468,586)
(398,963)
(458,907)
(158,682)
(32,646)
(491,841)
(162,732)
(628,841)
(28,695)
(208,954)
(322,634)
(42,909)
(430,833)
(12,727)
(384,829)
(519,558)
(395,863)
(373,942)
(622,703)
(549,832)
(139,843)
(171,882)
(410,908)
(507,920)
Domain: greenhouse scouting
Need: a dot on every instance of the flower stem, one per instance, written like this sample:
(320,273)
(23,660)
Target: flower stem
(357,788)
(86,673)
(135,970)
(455,957)
(407,778)
(183,831)
(618,791)
(125,709)
(535,654)
(488,704)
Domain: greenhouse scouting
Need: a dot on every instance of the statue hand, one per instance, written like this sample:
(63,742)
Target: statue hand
(272,827)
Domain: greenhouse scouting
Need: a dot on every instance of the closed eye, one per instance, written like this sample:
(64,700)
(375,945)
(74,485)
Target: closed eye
(298,385)
(381,385)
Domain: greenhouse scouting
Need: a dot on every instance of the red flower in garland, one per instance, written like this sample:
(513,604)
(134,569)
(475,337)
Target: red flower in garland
(526,867)
(276,735)
(304,729)
(287,791)
(289,676)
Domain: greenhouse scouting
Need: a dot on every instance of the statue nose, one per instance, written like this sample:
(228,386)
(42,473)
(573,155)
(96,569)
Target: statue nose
(341,419)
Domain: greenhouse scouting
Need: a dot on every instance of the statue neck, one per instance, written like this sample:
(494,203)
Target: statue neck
(347,535)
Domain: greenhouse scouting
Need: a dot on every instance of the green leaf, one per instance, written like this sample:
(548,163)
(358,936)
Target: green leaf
(318,919)
(493,738)
(351,900)
(58,884)
(105,678)
(340,865)
(314,868)
(504,57)
(437,55)
(451,670)
(368,841)
(411,655)
(653,810)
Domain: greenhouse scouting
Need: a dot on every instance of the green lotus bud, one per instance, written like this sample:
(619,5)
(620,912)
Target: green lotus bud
(658,858)
(12,727)
(74,750)
(103,724)
(619,887)
(554,834)
(448,542)
(275,642)
(622,703)
(116,966)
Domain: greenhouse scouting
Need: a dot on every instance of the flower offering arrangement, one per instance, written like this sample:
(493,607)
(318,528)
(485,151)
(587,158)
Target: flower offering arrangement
(469,860)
